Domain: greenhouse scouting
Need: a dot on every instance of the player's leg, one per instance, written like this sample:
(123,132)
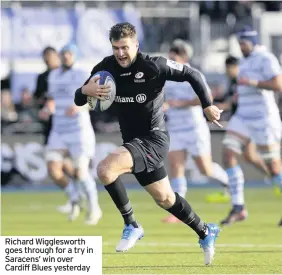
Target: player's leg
(69,171)
(55,152)
(200,149)
(156,183)
(82,150)
(235,139)
(176,164)
(266,133)
(154,179)
(87,184)
(267,136)
(109,170)
(253,157)
(213,170)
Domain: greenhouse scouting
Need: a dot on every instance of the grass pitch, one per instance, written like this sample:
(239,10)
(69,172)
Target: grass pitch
(250,247)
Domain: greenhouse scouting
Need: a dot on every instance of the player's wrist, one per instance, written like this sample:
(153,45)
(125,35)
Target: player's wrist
(206,105)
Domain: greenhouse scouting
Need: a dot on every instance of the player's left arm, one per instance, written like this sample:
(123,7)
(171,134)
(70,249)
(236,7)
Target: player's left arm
(271,71)
(173,71)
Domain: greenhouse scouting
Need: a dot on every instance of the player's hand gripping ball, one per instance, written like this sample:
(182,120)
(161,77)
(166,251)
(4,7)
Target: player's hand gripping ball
(103,102)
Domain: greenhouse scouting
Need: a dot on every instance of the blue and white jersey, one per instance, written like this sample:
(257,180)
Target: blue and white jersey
(255,103)
(61,87)
(182,119)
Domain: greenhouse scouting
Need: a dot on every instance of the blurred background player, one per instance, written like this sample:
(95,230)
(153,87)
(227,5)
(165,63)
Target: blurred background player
(71,134)
(188,129)
(257,119)
(52,61)
(229,104)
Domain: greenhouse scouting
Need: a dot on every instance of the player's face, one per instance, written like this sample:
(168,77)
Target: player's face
(52,59)
(232,70)
(246,47)
(67,58)
(125,51)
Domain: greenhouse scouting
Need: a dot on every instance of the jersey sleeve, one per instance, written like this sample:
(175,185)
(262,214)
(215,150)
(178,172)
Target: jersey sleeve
(40,88)
(50,87)
(173,71)
(81,99)
(270,67)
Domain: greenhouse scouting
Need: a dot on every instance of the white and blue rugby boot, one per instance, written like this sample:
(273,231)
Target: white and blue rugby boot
(130,236)
(208,243)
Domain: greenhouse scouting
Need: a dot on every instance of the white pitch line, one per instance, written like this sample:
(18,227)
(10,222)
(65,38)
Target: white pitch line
(196,245)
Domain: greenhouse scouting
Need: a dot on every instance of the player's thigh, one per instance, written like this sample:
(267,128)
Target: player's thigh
(266,132)
(81,152)
(55,151)
(198,141)
(199,147)
(250,151)
(68,166)
(269,143)
(148,153)
(237,135)
(119,162)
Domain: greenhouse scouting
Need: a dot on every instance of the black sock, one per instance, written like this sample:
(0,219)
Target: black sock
(183,211)
(119,196)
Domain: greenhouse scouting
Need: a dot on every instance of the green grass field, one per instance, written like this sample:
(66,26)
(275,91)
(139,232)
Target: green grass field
(250,247)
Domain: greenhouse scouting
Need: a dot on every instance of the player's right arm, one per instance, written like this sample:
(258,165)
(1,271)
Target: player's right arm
(91,87)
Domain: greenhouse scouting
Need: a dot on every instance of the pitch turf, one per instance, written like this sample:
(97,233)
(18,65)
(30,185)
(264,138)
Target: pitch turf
(250,247)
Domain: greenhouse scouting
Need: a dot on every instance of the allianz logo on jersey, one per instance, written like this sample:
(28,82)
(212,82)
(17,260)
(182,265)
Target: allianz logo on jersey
(140,98)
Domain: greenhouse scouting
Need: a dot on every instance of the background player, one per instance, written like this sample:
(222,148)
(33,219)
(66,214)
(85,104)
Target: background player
(256,119)
(52,61)
(143,131)
(188,130)
(71,134)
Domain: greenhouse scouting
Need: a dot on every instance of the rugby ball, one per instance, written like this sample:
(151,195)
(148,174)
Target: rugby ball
(101,105)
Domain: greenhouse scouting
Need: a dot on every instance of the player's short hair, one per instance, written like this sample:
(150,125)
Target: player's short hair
(182,48)
(48,49)
(122,30)
(231,60)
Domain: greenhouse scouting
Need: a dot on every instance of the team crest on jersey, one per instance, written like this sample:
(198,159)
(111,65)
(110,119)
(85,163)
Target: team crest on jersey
(138,77)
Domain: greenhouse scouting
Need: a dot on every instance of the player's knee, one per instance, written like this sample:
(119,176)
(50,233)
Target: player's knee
(275,167)
(232,146)
(165,199)
(105,173)
(272,159)
(229,158)
(206,170)
(249,157)
(81,168)
(55,171)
